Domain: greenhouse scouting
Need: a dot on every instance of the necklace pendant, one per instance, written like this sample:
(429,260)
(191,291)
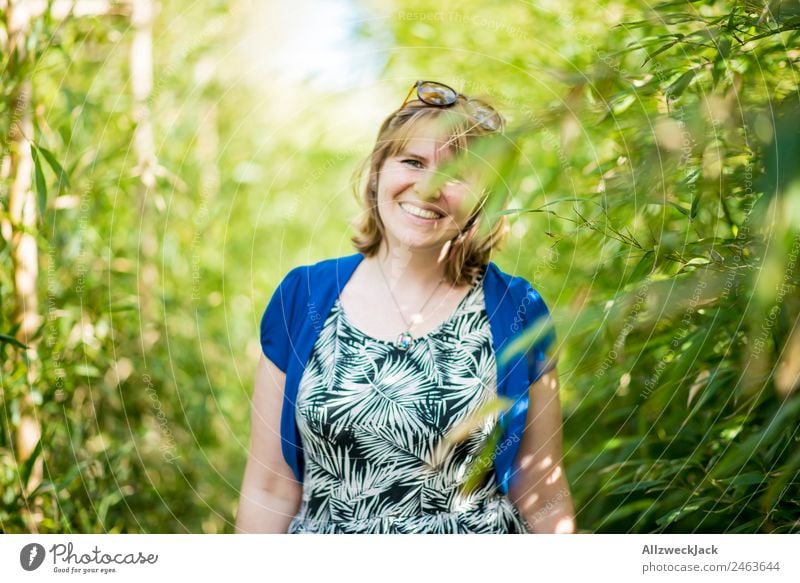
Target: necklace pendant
(404,340)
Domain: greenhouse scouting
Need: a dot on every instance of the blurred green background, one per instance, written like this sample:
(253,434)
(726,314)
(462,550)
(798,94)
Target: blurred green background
(164,164)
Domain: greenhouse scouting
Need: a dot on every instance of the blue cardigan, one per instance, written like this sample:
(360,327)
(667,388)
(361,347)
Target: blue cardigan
(300,305)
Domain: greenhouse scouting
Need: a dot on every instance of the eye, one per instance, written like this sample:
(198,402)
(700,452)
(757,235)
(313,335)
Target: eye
(412,162)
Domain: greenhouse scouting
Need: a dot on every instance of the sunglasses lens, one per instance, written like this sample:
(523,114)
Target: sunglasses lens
(485,115)
(436,94)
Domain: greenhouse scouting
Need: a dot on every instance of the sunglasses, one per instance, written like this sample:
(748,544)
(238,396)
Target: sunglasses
(441,95)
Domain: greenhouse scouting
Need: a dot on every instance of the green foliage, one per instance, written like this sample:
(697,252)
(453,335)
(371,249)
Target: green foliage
(649,174)
(694,418)
(665,182)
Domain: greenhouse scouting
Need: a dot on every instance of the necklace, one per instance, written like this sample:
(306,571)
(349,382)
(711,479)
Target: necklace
(405,339)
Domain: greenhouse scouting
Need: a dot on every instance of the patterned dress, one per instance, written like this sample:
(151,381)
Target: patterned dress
(372,417)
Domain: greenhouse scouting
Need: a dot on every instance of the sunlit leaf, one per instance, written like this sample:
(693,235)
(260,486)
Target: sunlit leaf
(41,186)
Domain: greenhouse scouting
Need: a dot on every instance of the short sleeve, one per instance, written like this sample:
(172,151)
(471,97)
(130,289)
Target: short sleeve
(540,356)
(276,322)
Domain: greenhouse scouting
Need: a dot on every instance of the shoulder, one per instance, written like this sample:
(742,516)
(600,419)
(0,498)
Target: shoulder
(304,290)
(325,270)
(515,297)
(515,286)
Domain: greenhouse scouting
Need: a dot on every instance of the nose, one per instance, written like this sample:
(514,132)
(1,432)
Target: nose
(431,186)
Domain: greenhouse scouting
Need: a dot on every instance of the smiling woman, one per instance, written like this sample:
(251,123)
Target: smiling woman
(405,174)
(403,180)
(370,417)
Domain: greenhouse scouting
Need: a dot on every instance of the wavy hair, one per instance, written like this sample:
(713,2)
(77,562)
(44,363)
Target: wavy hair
(467,253)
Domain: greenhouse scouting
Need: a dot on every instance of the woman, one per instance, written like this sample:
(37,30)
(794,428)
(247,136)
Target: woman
(377,366)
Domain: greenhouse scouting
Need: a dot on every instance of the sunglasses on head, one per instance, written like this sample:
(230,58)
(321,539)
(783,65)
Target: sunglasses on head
(441,95)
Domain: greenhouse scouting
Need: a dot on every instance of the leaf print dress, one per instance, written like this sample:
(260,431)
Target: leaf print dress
(372,417)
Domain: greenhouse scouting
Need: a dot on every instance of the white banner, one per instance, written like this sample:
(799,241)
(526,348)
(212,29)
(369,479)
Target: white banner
(401,558)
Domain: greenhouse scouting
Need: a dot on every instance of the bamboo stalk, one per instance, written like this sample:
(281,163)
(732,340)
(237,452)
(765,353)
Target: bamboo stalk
(20,229)
(20,226)
(141,71)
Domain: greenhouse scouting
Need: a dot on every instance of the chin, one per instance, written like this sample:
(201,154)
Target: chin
(413,241)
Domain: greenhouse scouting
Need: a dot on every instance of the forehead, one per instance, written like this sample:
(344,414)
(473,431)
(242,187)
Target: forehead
(427,137)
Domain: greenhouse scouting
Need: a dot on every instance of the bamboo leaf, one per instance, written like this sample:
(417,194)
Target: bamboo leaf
(527,339)
(7,339)
(678,513)
(748,479)
(675,205)
(41,186)
(474,420)
(645,266)
(626,511)
(737,457)
(660,50)
(788,471)
(638,486)
(63,178)
(678,87)
(27,467)
(86,370)
(695,205)
(483,462)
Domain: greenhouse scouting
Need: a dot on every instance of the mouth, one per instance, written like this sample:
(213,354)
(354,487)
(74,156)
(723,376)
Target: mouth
(420,213)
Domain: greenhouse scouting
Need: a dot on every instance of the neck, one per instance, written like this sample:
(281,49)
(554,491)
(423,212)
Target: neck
(411,269)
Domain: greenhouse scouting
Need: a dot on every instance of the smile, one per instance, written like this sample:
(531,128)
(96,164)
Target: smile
(419,212)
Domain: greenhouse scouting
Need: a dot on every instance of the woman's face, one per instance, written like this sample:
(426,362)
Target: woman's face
(414,214)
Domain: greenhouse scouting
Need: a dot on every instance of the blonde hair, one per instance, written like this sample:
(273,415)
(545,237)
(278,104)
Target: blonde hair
(469,252)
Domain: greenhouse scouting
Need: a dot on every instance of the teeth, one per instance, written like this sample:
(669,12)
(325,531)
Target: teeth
(418,212)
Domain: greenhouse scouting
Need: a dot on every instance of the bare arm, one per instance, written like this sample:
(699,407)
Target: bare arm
(540,490)
(270,494)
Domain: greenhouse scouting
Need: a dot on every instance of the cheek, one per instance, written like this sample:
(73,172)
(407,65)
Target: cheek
(461,205)
(392,179)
